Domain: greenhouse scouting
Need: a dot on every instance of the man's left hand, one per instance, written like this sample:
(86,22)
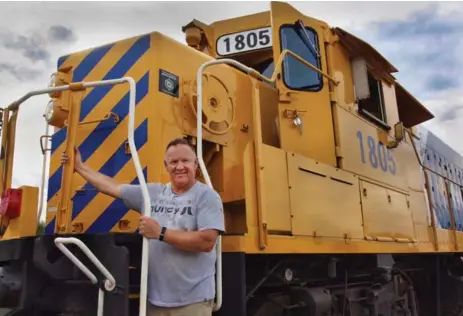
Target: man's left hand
(149,228)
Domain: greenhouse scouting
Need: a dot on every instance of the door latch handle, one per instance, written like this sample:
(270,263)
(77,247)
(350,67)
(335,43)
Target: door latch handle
(298,123)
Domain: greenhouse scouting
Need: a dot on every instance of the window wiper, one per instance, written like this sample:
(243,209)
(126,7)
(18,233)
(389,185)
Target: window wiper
(312,44)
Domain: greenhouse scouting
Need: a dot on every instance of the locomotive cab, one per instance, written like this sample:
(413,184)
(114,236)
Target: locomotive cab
(309,91)
(302,105)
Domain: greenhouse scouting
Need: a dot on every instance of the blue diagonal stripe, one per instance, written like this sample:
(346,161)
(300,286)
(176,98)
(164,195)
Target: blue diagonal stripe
(57,139)
(89,62)
(79,74)
(110,168)
(112,214)
(97,94)
(103,130)
(54,182)
(61,60)
(50,228)
(117,71)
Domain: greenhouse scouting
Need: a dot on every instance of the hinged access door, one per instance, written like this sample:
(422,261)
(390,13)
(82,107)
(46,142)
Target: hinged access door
(305,117)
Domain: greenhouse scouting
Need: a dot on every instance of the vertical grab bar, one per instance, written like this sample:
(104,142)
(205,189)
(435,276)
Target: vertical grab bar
(199,153)
(146,200)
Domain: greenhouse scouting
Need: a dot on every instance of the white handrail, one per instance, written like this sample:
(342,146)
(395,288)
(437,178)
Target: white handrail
(202,166)
(110,282)
(89,84)
(44,165)
(133,150)
(146,201)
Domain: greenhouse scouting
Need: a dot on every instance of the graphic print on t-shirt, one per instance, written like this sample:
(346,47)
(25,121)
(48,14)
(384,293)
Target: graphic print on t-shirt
(174,211)
(167,207)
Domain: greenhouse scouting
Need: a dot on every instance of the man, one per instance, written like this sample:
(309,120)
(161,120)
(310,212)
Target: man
(186,217)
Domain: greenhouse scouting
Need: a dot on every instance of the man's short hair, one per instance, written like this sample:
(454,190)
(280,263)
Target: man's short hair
(179,141)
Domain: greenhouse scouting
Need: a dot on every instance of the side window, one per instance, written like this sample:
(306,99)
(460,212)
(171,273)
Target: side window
(296,75)
(373,106)
(266,67)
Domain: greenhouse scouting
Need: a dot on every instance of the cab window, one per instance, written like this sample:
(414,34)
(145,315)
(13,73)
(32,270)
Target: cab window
(296,75)
(373,107)
(266,67)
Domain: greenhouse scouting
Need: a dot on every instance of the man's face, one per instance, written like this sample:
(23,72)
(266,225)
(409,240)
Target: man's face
(181,165)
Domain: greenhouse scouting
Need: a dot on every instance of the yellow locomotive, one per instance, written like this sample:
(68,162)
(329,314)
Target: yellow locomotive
(336,201)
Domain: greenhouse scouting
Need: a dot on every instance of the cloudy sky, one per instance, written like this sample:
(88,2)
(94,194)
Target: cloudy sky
(420,38)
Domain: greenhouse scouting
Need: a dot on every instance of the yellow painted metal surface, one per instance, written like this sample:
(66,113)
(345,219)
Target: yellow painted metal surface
(277,202)
(385,214)
(4,160)
(324,200)
(363,154)
(250,189)
(64,208)
(8,151)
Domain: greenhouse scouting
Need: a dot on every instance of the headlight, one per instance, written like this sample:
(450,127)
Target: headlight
(49,110)
(52,82)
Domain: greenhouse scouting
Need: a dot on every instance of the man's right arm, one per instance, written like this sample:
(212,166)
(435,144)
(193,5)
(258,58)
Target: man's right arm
(130,194)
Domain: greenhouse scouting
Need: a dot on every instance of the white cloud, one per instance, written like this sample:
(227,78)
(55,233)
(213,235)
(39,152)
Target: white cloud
(447,107)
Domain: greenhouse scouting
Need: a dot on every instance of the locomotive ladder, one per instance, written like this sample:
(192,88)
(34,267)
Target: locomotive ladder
(199,148)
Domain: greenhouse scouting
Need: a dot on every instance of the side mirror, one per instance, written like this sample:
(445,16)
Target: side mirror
(399,135)
(399,132)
